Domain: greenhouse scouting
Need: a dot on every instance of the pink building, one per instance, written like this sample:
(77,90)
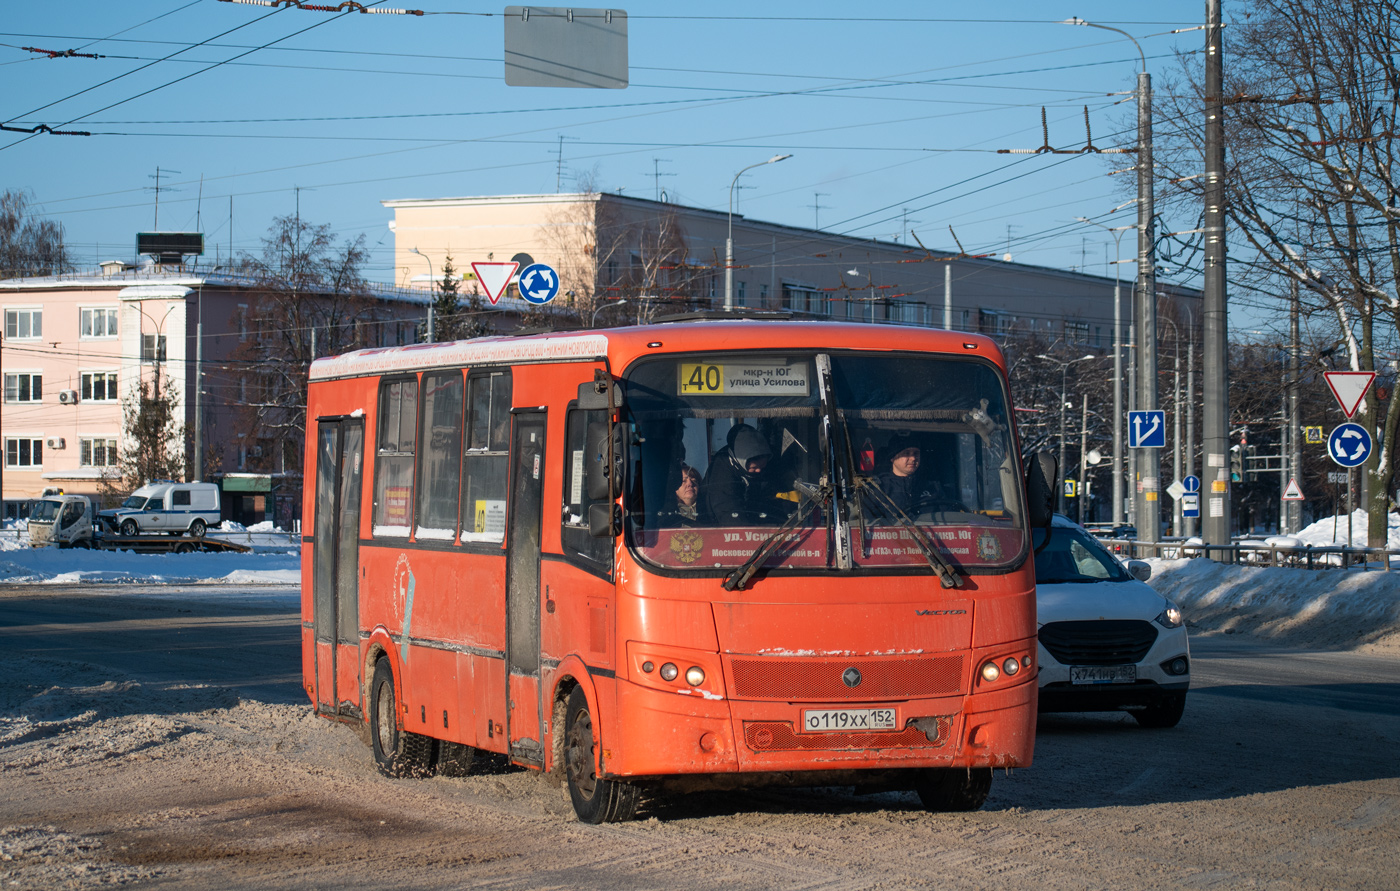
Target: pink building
(75,347)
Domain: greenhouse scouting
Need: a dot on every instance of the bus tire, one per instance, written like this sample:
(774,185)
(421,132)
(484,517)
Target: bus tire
(197,528)
(454,759)
(398,753)
(944,789)
(129,528)
(1164,713)
(596,800)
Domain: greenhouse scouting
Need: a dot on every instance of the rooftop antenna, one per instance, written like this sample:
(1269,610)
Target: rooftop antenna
(817,207)
(656,174)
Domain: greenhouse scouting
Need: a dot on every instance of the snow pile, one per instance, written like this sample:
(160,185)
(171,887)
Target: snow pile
(1333,530)
(1310,608)
(54,566)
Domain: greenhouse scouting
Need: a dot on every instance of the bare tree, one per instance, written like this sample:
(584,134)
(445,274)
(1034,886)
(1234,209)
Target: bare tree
(310,299)
(152,447)
(1311,103)
(28,246)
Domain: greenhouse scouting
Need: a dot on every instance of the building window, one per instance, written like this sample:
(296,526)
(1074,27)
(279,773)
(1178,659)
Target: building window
(762,296)
(909,312)
(800,298)
(97,452)
(740,294)
(1077,332)
(152,347)
(24,387)
(24,452)
(99,386)
(99,322)
(24,324)
(241,321)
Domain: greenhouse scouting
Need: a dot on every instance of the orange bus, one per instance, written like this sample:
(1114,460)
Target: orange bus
(694,554)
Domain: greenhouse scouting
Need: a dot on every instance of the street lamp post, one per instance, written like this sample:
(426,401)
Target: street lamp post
(593,319)
(432,279)
(1148,462)
(729,240)
(1064,394)
(1117,233)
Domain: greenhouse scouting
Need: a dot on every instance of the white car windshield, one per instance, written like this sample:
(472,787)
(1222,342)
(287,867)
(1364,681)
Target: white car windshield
(1074,556)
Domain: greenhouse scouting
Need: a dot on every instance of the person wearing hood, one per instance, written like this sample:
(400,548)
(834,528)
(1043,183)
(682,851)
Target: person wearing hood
(736,490)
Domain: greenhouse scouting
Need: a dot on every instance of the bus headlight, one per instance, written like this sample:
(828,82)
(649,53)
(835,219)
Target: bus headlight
(1011,666)
(990,672)
(669,671)
(695,676)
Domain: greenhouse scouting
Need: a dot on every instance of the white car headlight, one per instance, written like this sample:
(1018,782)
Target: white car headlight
(1171,616)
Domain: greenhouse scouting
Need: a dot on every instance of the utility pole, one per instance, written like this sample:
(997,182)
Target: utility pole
(1295,421)
(1083,456)
(1215,420)
(1149,461)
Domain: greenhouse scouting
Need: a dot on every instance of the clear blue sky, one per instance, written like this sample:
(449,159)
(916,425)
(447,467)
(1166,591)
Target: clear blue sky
(893,113)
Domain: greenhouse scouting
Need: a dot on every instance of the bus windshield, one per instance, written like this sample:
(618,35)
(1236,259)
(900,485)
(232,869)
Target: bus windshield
(809,461)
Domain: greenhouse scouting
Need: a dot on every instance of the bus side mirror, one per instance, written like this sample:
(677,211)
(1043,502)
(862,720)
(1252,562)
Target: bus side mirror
(1042,472)
(599,467)
(604,520)
(593,395)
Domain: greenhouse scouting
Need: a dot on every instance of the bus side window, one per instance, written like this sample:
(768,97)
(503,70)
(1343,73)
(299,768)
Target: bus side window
(393,472)
(581,548)
(486,462)
(439,476)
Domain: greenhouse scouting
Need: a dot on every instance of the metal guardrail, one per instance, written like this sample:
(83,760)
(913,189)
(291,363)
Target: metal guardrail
(1305,556)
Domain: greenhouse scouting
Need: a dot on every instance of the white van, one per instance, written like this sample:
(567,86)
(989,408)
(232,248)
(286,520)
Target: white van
(179,508)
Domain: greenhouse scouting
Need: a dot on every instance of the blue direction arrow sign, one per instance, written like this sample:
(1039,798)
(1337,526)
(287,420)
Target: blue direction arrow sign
(1349,445)
(1191,503)
(1191,484)
(1147,429)
(538,284)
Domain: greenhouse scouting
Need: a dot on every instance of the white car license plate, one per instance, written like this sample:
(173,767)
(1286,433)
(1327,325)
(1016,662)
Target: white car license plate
(846,719)
(1103,674)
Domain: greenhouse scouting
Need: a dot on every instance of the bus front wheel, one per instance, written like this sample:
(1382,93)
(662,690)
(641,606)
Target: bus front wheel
(943,789)
(397,752)
(596,800)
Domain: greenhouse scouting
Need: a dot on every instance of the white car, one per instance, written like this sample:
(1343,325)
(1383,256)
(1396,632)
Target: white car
(1107,640)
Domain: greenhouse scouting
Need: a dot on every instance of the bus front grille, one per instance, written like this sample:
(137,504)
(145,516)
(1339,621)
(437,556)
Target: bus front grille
(827,680)
(779,736)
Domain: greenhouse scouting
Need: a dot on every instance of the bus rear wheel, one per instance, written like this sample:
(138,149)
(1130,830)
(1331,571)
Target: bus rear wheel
(397,752)
(943,789)
(596,800)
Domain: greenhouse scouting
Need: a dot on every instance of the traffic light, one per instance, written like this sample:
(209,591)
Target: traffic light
(1250,472)
(1236,463)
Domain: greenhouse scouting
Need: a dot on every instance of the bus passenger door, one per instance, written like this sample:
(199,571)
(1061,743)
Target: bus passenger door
(524,710)
(336,595)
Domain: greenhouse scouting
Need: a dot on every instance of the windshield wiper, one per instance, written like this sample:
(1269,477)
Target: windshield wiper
(811,497)
(947,575)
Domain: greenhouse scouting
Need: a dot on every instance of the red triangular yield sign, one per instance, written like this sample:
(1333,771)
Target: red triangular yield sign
(1292,493)
(1350,388)
(495,276)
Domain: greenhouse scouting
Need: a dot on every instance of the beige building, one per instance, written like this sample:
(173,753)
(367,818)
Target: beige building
(663,257)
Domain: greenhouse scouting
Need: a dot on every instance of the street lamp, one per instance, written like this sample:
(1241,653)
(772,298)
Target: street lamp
(432,277)
(1117,233)
(1064,394)
(593,319)
(1146,316)
(729,241)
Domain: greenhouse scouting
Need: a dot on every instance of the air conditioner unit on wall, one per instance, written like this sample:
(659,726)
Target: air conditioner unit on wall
(68,397)
(54,442)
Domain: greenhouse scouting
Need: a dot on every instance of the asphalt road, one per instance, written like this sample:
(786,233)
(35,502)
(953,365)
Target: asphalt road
(1283,774)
